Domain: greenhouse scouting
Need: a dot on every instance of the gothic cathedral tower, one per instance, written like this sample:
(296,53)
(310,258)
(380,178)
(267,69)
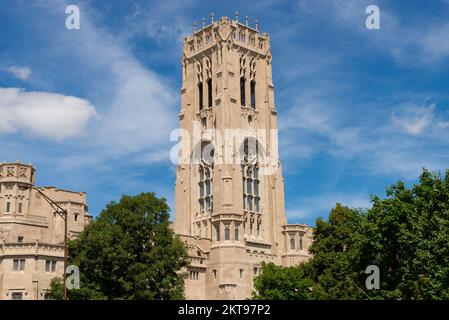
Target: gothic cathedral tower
(229,184)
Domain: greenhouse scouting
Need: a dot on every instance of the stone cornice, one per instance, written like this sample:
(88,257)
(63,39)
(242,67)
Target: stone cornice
(31,249)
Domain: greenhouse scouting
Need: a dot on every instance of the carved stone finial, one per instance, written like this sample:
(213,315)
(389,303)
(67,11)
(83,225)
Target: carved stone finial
(237,16)
(246,20)
(257,24)
(194,27)
(204,22)
(212,17)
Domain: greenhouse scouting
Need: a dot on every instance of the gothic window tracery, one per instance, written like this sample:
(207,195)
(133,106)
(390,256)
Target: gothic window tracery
(250,177)
(205,178)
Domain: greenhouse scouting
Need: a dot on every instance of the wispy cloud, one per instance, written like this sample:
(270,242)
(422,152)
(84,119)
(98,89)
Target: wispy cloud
(398,138)
(308,208)
(411,41)
(412,119)
(21,73)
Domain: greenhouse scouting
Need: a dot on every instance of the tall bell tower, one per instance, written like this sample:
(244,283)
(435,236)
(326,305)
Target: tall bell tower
(229,184)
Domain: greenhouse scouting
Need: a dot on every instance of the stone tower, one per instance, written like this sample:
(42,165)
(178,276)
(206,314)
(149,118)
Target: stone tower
(229,185)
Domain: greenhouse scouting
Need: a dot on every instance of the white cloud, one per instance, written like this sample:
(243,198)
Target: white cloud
(48,115)
(21,73)
(412,119)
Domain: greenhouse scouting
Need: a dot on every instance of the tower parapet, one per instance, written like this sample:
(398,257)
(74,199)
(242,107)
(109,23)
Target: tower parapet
(15,172)
(222,32)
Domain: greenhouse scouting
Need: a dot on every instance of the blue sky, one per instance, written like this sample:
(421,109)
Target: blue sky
(358,109)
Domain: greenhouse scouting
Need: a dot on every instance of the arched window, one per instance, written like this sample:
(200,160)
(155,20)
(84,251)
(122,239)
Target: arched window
(253,93)
(292,244)
(205,185)
(200,95)
(250,176)
(236,233)
(227,233)
(217,232)
(300,244)
(209,93)
(205,169)
(242,91)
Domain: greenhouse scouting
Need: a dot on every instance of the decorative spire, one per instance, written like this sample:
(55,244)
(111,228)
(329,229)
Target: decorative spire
(237,16)
(246,20)
(194,27)
(212,17)
(256,24)
(204,22)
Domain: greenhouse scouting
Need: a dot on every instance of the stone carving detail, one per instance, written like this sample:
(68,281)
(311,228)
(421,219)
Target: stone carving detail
(199,71)
(249,112)
(199,42)
(242,66)
(208,68)
(181,173)
(22,172)
(208,38)
(252,68)
(10,171)
(3,234)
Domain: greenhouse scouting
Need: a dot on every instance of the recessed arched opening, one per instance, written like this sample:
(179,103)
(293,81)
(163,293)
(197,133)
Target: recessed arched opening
(209,93)
(200,95)
(250,151)
(242,91)
(204,152)
(253,94)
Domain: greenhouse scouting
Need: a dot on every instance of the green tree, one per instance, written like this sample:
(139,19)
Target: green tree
(406,235)
(129,252)
(278,283)
(409,239)
(335,253)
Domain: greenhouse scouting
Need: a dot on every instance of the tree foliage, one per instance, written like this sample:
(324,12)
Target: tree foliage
(129,252)
(405,234)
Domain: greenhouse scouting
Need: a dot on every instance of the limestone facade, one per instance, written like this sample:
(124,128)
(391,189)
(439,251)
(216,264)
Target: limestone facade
(229,183)
(31,234)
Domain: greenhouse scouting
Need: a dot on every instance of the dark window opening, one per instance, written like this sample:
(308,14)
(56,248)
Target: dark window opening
(209,93)
(17,296)
(292,244)
(8,206)
(48,296)
(242,91)
(227,233)
(200,95)
(253,94)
